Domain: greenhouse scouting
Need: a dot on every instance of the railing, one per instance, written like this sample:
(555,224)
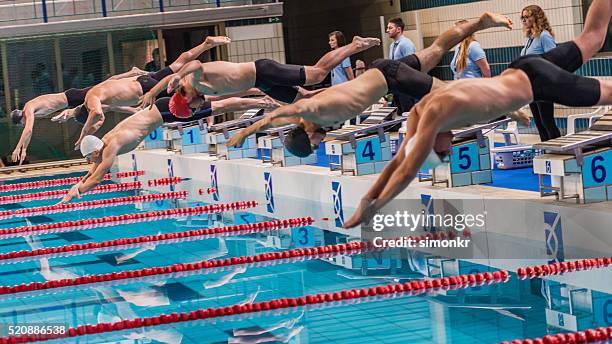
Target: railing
(18,12)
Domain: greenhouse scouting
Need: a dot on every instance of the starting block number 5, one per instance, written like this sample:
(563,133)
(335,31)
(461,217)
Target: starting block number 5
(597,170)
(464,158)
(368,151)
(191,136)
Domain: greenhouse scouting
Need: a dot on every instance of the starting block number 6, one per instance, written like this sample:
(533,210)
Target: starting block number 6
(597,170)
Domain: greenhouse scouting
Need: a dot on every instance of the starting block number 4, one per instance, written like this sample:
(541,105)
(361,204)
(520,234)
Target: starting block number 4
(597,170)
(154,136)
(192,136)
(368,151)
(465,158)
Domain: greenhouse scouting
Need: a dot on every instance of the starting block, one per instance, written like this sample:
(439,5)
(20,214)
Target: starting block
(470,159)
(273,143)
(581,163)
(363,148)
(155,140)
(185,138)
(218,135)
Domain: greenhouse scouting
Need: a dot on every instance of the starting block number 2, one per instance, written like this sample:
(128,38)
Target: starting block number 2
(597,169)
(368,151)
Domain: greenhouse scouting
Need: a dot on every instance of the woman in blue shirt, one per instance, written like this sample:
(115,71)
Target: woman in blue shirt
(470,60)
(342,72)
(540,39)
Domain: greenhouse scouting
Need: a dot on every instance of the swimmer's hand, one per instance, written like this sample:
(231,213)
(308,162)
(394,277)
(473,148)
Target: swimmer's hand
(216,41)
(19,154)
(237,140)
(72,193)
(63,116)
(146,101)
(268,103)
(174,83)
(364,213)
(521,117)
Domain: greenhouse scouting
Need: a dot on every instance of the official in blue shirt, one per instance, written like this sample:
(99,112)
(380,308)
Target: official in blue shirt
(342,72)
(540,39)
(400,48)
(470,60)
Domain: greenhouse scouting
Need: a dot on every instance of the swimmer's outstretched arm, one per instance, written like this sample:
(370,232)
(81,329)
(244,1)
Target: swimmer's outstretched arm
(282,116)
(95,119)
(242,104)
(171,82)
(19,154)
(250,92)
(95,176)
(399,179)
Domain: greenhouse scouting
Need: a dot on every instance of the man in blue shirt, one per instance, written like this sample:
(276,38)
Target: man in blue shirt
(401,47)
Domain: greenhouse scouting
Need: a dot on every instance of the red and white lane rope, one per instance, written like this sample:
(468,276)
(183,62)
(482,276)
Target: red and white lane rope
(166,181)
(405,289)
(60,193)
(123,219)
(61,181)
(598,335)
(538,271)
(126,243)
(103,203)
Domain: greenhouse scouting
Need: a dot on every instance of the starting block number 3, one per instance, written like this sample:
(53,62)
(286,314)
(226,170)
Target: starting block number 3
(368,151)
(191,136)
(597,169)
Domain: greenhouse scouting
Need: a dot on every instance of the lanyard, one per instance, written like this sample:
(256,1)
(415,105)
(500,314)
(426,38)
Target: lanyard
(529,43)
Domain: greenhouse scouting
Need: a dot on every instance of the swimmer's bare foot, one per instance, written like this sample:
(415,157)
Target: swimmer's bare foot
(218,40)
(490,20)
(521,117)
(365,43)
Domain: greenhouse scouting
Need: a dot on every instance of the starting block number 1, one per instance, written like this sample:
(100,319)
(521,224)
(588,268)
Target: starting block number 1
(154,136)
(191,136)
(597,170)
(368,151)
(464,158)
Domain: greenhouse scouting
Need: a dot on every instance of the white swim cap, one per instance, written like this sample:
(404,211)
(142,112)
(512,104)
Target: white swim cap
(433,159)
(90,144)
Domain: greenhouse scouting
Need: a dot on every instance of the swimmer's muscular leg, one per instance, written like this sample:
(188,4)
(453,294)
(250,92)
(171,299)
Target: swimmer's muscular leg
(431,56)
(193,53)
(317,73)
(593,36)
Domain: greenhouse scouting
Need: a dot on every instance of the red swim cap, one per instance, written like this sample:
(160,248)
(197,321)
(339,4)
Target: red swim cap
(179,106)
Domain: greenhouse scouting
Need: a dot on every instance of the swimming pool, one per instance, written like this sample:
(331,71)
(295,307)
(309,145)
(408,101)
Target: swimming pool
(482,314)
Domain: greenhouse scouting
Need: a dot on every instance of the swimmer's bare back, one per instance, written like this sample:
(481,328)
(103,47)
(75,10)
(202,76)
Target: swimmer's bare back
(130,132)
(223,78)
(454,106)
(122,92)
(347,100)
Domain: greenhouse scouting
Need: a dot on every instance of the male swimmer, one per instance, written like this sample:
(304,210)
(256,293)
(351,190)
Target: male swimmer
(454,106)
(130,132)
(127,92)
(342,102)
(279,81)
(47,104)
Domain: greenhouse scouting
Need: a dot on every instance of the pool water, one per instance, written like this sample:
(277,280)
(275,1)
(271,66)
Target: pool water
(485,314)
